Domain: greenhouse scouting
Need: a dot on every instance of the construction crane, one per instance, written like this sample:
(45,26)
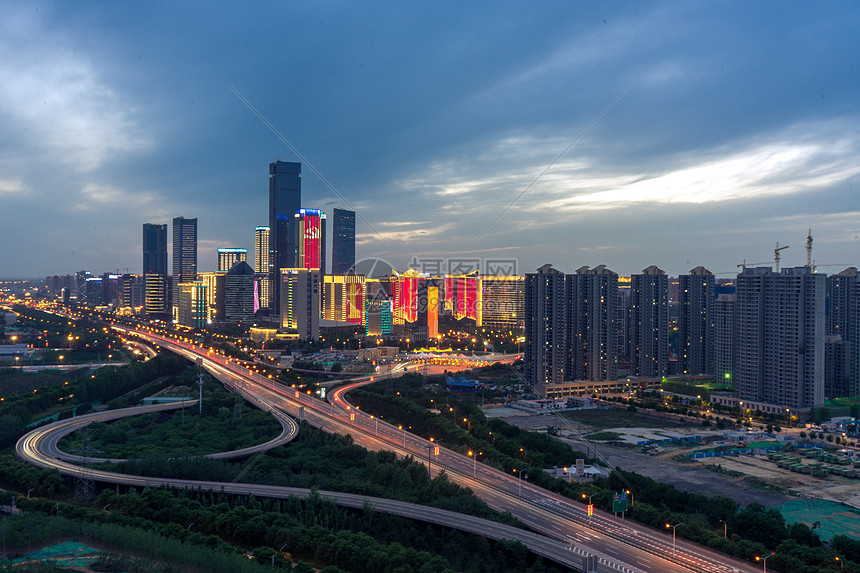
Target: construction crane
(776,254)
(815,266)
(745,264)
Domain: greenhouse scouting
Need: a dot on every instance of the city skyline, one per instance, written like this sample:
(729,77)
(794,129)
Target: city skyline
(738,130)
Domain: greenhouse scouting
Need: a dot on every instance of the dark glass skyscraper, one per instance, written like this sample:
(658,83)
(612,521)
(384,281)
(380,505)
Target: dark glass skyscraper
(184,250)
(285,198)
(343,242)
(154,249)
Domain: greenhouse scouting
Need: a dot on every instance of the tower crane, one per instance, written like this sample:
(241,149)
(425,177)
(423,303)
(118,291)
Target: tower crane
(815,266)
(776,254)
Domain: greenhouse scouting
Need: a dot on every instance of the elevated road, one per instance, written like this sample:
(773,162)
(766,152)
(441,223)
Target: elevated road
(619,545)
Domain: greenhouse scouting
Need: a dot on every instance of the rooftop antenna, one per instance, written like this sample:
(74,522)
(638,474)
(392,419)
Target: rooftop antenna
(809,251)
(776,254)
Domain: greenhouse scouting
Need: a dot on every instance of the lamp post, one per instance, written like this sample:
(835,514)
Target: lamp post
(520,487)
(841,563)
(674,527)
(590,505)
(474,463)
(630,493)
(725,528)
(764,560)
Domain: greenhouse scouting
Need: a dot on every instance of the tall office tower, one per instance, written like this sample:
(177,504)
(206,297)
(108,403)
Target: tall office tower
(192,304)
(311,233)
(184,250)
(724,335)
(300,302)
(261,267)
(649,323)
(696,322)
(343,298)
(155,270)
(591,296)
(154,249)
(285,198)
(239,293)
(503,302)
(463,297)
(843,321)
(227,257)
(780,342)
(343,242)
(545,329)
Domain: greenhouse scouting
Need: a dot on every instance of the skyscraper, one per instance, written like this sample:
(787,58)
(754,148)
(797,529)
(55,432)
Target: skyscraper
(696,322)
(843,321)
(285,198)
(592,299)
(725,333)
(227,257)
(780,342)
(184,250)
(154,249)
(503,302)
(311,235)
(343,242)
(155,270)
(545,324)
(261,267)
(300,302)
(649,323)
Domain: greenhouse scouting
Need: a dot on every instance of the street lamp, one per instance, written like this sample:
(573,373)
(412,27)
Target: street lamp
(764,560)
(725,528)
(520,488)
(630,493)
(674,527)
(841,563)
(474,463)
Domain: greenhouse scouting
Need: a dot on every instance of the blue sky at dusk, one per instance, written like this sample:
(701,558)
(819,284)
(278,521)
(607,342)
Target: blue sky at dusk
(740,128)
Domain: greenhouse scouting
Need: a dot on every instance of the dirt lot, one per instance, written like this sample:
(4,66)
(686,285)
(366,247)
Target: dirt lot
(760,480)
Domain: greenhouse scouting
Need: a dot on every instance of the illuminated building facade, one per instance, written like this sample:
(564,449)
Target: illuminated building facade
(300,302)
(261,266)
(156,299)
(227,257)
(184,250)
(192,305)
(343,298)
(285,198)
(591,297)
(311,239)
(463,297)
(238,293)
(696,322)
(503,302)
(649,323)
(545,354)
(343,242)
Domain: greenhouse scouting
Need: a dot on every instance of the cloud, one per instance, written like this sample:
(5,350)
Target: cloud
(12,186)
(409,235)
(55,97)
(97,195)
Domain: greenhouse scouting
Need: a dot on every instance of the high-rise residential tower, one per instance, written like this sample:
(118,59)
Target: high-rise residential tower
(649,323)
(696,322)
(843,329)
(725,328)
(285,198)
(545,327)
(780,342)
(184,250)
(343,242)
(592,299)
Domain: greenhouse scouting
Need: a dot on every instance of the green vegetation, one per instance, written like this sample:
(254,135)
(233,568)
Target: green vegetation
(228,423)
(618,418)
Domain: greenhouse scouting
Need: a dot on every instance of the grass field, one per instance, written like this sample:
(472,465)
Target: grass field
(618,418)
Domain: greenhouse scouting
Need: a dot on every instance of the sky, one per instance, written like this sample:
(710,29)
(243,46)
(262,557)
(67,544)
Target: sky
(628,134)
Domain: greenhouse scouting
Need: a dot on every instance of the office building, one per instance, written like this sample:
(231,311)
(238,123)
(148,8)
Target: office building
(227,257)
(156,294)
(780,341)
(343,242)
(649,323)
(261,267)
(300,302)
(238,292)
(591,311)
(192,304)
(154,249)
(285,199)
(184,250)
(503,302)
(310,224)
(695,322)
(545,350)
(343,298)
